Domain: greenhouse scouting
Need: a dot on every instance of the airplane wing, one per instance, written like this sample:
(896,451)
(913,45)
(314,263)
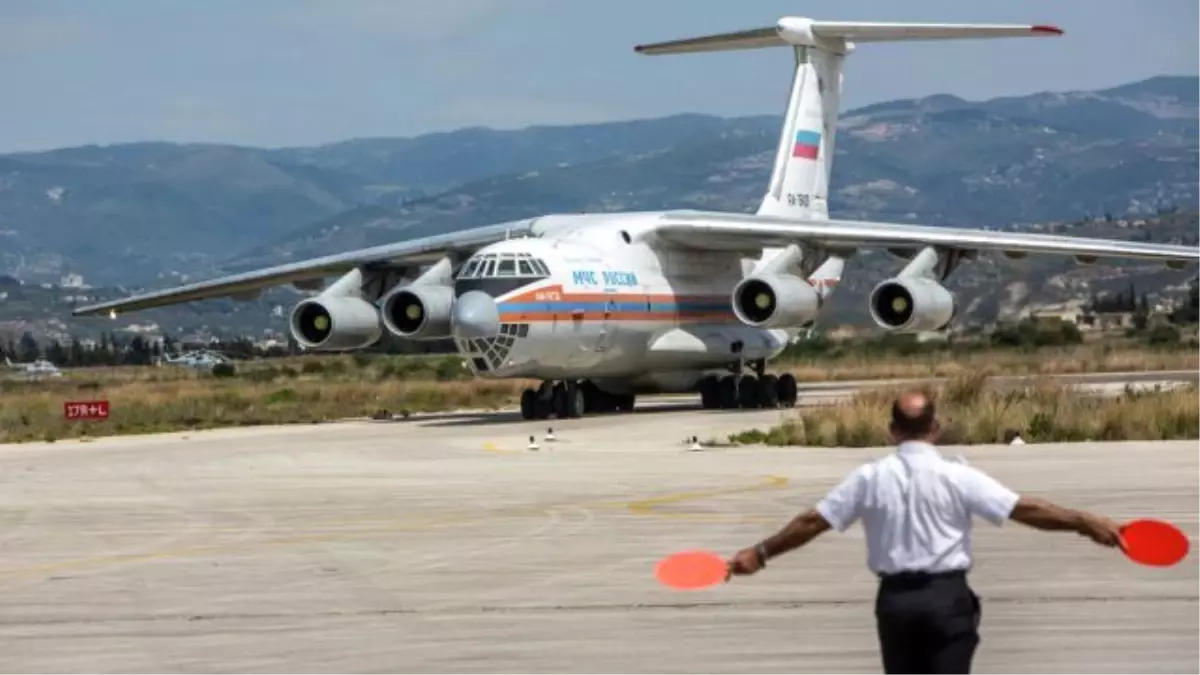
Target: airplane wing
(751,233)
(404,254)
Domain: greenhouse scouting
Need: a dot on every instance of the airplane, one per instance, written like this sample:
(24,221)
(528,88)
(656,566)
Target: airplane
(36,368)
(603,307)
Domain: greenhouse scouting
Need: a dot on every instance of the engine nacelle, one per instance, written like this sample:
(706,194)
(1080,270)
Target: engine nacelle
(911,304)
(775,301)
(419,312)
(335,323)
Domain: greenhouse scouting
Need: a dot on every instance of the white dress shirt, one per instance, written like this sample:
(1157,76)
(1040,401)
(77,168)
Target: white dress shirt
(916,508)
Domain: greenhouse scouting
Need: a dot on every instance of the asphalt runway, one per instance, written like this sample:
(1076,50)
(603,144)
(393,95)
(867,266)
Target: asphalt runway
(444,545)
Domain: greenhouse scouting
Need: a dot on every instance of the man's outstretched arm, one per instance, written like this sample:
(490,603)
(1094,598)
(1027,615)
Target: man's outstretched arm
(1044,515)
(838,510)
(801,530)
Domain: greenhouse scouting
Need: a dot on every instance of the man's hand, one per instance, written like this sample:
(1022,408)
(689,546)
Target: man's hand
(1100,530)
(745,562)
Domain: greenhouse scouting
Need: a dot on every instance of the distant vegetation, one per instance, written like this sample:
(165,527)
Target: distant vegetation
(285,391)
(973,414)
(311,389)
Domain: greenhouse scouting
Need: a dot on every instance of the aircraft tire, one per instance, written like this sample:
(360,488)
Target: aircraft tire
(559,401)
(749,392)
(605,402)
(529,404)
(574,400)
(768,392)
(625,402)
(710,392)
(727,393)
(591,397)
(787,390)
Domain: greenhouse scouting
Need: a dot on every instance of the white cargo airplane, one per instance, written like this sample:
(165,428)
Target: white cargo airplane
(601,307)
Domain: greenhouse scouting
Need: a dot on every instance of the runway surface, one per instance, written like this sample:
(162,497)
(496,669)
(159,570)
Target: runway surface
(443,544)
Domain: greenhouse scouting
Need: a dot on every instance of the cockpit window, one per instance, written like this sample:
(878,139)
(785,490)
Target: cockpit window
(506,265)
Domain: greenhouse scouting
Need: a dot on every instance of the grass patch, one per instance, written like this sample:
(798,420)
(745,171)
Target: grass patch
(972,415)
(1100,357)
(33,411)
(319,388)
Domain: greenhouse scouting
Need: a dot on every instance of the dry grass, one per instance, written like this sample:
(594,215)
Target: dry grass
(1090,358)
(313,389)
(972,414)
(34,411)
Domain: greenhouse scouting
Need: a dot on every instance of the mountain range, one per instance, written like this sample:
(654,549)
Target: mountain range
(154,214)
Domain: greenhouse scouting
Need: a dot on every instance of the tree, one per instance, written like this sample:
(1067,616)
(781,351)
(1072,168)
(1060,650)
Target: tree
(28,350)
(57,354)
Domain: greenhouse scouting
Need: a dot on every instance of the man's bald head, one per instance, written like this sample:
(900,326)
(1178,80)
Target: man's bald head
(913,416)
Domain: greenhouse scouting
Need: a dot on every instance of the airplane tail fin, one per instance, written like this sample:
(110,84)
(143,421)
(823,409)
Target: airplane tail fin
(799,185)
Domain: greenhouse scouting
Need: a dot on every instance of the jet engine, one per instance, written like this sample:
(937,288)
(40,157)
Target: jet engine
(775,301)
(419,312)
(335,323)
(911,304)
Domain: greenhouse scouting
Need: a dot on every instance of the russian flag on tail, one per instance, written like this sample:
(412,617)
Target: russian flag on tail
(808,144)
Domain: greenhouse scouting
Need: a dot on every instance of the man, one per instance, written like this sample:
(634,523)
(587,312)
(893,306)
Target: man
(916,509)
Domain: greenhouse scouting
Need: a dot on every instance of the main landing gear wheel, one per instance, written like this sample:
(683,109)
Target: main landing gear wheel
(529,404)
(749,392)
(535,405)
(710,392)
(625,402)
(787,390)
(574,400)
(727,393)
(768,391)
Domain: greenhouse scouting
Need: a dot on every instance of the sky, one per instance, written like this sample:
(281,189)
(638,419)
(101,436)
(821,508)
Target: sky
(304,72)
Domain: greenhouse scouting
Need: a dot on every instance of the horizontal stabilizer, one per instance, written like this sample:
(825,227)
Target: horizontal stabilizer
(801,31)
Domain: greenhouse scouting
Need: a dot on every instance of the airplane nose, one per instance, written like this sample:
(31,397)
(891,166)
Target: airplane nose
(475,316)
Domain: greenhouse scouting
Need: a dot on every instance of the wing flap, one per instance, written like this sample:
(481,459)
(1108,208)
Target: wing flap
(751,233)
(247,284)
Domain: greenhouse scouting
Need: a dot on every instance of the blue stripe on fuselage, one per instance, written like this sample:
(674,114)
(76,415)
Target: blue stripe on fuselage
(627,306)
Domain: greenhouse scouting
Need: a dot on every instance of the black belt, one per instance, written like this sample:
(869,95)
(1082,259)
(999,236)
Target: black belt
(917,577)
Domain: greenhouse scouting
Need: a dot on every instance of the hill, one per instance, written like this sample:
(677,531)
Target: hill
(938,160)
(156,213)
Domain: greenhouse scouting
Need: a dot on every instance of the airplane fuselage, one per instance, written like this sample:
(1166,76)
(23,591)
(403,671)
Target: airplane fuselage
(589,299)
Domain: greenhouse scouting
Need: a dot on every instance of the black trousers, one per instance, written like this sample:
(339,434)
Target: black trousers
(927,623)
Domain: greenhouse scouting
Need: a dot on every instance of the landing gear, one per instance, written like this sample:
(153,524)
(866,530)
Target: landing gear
(529,404)
(565,400)
(748,392)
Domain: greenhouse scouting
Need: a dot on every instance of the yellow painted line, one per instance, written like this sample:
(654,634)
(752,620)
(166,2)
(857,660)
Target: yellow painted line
(494,449)
(648,506)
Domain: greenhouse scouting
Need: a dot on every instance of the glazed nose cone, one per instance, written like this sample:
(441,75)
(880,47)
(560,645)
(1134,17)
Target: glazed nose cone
(475,316)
